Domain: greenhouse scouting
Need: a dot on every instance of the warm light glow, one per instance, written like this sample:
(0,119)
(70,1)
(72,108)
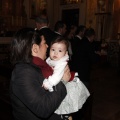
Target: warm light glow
(101,2)
(69,1)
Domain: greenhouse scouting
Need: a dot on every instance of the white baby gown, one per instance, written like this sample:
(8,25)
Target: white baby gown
(77,93)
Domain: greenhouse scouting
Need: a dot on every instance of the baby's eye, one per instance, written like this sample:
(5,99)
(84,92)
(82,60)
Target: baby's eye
(53,49)
(60,50)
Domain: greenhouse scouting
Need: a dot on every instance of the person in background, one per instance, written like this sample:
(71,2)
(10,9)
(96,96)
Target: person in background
(77,93)
(30,101)
(80,31)
(83,60)
(71,31)
(42,25)
(86,56)
(69,35)
(60,28)
(77,40)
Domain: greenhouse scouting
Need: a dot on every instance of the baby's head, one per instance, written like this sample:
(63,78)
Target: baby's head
(58,48)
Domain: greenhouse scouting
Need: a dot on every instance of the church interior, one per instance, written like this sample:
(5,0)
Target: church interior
(102,15)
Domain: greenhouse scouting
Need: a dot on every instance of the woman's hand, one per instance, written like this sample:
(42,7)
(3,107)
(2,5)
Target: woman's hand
(66,76)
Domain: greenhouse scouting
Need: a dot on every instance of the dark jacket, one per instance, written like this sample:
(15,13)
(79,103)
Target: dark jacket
(75,42)
(84,58)
(30,101)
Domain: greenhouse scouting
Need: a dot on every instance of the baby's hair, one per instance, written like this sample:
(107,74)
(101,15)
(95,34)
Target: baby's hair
(60,39)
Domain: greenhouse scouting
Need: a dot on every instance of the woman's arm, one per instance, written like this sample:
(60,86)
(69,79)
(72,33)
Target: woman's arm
(67,75)
(27,86)
(56,77)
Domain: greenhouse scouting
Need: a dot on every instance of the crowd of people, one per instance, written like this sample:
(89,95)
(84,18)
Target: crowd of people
(51,75)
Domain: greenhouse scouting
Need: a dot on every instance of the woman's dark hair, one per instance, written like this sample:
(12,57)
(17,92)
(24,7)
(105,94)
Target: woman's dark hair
(60,39)
(22,44)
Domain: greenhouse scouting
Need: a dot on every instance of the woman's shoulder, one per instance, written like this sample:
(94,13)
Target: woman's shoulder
(26,67)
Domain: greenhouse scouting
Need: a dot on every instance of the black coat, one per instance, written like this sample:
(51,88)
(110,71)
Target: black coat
(75,44)
(30,101)
(84,58)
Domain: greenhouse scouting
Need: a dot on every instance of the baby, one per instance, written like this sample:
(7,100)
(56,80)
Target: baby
(77,93)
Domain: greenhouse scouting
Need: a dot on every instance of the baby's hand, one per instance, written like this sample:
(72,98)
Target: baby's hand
(44,87)
(47,85)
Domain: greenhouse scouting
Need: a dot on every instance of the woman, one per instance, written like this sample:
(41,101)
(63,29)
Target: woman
(30,101)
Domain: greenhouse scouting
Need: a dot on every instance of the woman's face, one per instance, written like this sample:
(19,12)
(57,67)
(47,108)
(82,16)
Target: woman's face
(41,49)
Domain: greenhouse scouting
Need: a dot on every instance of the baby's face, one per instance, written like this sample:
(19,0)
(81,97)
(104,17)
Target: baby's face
(57,51)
